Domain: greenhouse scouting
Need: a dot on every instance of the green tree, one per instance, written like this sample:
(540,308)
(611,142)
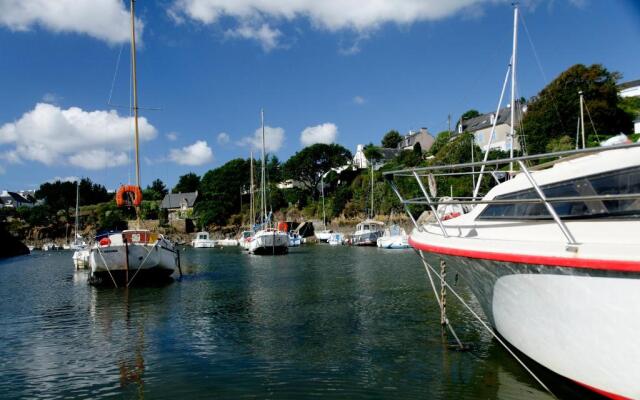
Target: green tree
(156,191)
(554,111)
(58,196)
(391,139)
(220,191)
(187,183)
(442,139)
(469,114)
(372,152)
(309,164)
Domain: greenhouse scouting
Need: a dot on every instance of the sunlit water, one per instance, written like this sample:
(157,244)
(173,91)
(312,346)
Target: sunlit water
(330,322)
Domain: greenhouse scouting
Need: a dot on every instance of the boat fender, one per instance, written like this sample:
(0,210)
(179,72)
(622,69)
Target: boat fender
(451,216)
(123,198)
(105,241)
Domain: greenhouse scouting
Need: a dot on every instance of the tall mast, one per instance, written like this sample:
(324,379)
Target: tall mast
(75,237)
(324,216)
(252,217)
(584,143)
(513,82)
(135,100)
(371,212)
(263,180)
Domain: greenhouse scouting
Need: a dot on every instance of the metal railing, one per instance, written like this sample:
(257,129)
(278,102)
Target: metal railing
(433,202)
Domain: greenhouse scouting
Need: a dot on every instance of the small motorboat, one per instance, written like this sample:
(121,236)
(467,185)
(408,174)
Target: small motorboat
(203,241)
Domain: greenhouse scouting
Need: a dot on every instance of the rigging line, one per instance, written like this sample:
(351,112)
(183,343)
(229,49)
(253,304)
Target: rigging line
(544,76)
(591,120)
(487,327)
(115,75)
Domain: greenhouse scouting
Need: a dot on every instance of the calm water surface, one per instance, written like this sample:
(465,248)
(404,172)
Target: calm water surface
(330,322)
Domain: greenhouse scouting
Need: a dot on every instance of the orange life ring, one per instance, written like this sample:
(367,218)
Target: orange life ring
(122,196)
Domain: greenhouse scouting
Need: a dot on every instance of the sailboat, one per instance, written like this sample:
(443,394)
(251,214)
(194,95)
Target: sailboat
(267,241)
(325,234)
(245,237)
(135,256)
(81,252)
(550,255)
(368,231)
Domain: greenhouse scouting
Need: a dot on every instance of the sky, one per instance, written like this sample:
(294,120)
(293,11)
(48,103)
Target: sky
(343,71)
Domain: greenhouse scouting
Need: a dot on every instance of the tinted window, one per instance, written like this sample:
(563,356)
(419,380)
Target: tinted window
(625,181)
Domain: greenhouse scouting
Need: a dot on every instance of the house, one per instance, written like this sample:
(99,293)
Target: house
(422,136)
(481,127)
(179,205)
(15,200)
(629,89)
(360,160)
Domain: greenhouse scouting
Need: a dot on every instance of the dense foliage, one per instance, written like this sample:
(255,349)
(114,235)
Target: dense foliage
(391,139)
(187,183)
(554,112)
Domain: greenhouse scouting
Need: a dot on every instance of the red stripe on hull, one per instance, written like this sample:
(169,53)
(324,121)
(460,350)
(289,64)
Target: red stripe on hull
(602,392)
(607,265)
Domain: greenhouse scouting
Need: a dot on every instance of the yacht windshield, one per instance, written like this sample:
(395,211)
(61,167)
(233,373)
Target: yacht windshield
(626,181)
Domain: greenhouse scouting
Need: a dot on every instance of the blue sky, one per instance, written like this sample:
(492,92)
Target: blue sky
(343,71)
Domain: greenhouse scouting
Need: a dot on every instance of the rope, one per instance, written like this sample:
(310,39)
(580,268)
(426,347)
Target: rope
(487,327)
(592,124)
(143,261)
(107,267)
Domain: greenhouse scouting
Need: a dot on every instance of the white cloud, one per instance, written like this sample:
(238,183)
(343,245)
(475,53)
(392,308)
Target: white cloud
(359,100)
(172,136)
(263,34)
(196,154)
(106,20)
(223,138)
(273,139)
(361,17)
(324,133)
(51,98)
(88,139)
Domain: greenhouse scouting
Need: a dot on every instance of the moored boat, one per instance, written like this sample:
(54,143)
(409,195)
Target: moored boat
(394,238)
(551,255)
(202,240)
(367,233)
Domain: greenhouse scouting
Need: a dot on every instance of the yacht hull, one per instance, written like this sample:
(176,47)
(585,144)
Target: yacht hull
(577,322)
(366,239)
(269,244)
(147,263)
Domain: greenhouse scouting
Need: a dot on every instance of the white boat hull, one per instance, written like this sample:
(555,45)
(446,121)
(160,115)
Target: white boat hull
(146,263)
(269,243)
(393,242)
(203,244)
(81,258)
(579,323)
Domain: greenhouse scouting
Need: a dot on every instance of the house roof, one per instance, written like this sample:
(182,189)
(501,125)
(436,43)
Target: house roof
(388,154)
(174,200)
(13,198)
(630,84)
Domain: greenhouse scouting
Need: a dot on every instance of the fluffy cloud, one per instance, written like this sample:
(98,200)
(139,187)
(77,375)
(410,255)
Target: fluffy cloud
(88,139)
(324,133)
(223,138)
(196,154)
(106,20)
(263,34)
(332,15)
(273,139)
(64,179)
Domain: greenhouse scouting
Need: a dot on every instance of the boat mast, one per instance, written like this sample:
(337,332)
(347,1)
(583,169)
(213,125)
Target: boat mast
(135,100)
(252,217)
(584,143)
(371,212)
(513,83)
(263,200)
(75,234)
(324,216)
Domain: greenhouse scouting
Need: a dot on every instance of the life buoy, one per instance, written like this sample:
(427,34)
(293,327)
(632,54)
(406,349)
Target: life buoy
(122,196)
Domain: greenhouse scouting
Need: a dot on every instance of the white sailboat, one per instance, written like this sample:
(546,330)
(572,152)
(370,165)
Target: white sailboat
(368,231)
(135,256)
(81,252)
(551,256)
(245,237)
(267,241)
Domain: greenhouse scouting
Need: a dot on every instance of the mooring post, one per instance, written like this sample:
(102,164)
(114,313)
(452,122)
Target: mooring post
(443,293)
(126,261)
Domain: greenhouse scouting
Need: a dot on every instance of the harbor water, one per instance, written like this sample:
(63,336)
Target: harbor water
(328,322)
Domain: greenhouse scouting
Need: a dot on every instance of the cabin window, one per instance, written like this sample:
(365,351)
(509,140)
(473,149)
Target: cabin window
(626,181)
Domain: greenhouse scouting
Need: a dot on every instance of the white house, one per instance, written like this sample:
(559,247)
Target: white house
(360,160)
(15,200)
(629,89)
(481,127)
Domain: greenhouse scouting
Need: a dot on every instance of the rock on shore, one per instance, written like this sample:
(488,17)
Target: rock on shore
(11,246)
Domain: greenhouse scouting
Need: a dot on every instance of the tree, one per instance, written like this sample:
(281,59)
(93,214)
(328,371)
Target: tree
(372,152)
(442,139)
(554,111)
(220,191)
(187,183)
(391,139)
(469,114)
(309,164)
(156,191)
